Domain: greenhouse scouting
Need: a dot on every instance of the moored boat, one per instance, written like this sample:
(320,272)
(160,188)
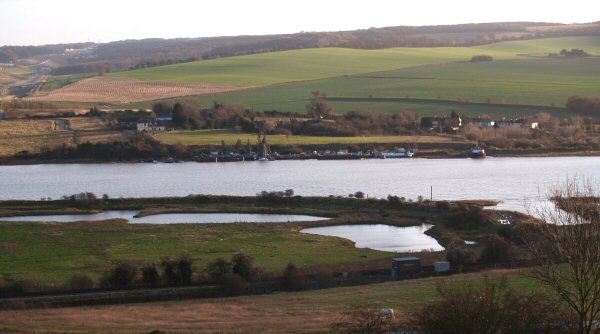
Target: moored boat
(477,152)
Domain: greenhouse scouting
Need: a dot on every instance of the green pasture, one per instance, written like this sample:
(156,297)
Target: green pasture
(50,253)
(300,65)
(503,86)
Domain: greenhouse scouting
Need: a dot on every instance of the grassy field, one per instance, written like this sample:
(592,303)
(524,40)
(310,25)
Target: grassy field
(49,253)
(299,65)
(311,64)
(519,75)
(300,312)
(230,137)
(501,85)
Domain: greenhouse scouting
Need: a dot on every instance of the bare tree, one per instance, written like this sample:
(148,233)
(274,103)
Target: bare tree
(318,106)
(566,249)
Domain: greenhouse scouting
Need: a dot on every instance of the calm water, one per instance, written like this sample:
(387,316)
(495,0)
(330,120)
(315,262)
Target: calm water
(171,218)
(514,181)
(382,237)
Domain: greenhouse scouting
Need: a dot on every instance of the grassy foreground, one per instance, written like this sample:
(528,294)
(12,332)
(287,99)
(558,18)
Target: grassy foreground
(50,253)
(300,312)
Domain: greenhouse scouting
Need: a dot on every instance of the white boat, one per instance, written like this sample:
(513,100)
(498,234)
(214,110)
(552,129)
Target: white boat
(396,155)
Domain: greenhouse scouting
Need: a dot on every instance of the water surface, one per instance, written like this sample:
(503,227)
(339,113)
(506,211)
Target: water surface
(514,181)
(170,218)
(382,237)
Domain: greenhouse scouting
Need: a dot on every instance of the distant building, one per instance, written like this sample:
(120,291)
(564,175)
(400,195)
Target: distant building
(148,126)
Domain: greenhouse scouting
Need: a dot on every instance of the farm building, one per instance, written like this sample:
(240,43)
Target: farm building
(406,267)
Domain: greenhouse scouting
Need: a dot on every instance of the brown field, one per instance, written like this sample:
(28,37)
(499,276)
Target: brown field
(37,135)
(125,90)
(300,312)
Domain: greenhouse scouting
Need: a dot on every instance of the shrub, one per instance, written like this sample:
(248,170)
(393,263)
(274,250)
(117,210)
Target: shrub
(359,194)
(481,58)
(363,319)
(496,250)
(184,269)
(80,282)
(150,274)
(292,278)
(459,256)
(493,308)
(218,268)
(121,276)
(241,264)
(170,270)
(466,217)
(178,271)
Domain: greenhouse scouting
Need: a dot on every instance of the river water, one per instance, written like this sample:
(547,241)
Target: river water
(514,181)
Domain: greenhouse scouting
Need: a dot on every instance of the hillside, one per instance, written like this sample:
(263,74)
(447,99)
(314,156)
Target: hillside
(121,55)
(521,75)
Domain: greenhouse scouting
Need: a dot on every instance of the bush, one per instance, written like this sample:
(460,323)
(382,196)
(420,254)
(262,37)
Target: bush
(292,279)
(363,319)
(481,58)
(80,282)
(466,217)
(184,269)
(241,264)
(496,250)
(493,308)
(459,256)
(121,276)
(218,268)
(178,271)
(150,274)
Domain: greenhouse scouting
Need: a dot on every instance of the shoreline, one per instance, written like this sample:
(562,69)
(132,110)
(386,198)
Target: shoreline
(421,155)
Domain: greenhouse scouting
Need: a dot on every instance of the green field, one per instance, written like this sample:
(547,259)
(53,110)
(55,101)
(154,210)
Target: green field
(311,64)
(300,65)
(520,81)
(230,137)
(51,253)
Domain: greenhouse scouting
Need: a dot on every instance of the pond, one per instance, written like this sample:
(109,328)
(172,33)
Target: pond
(170,218)
(382,237)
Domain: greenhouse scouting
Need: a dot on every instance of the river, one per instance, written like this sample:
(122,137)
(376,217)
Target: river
(514,181)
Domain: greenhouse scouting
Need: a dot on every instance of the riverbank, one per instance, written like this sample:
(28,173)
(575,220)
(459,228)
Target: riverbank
(438,154)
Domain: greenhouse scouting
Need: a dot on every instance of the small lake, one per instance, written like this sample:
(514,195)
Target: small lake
(170,218)
(382,237)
